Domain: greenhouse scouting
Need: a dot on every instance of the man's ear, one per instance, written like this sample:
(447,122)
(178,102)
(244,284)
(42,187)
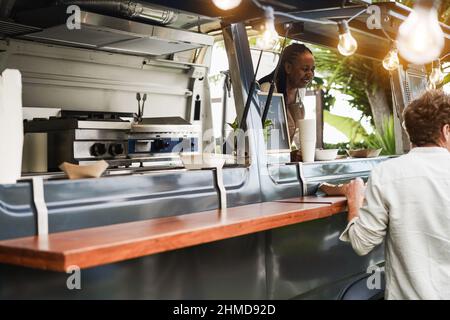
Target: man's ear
(446,132)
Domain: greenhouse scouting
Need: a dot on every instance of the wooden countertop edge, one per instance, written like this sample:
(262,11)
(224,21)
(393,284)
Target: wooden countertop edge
(100,255)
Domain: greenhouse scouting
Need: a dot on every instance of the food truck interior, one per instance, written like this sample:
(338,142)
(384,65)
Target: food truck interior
(127,82)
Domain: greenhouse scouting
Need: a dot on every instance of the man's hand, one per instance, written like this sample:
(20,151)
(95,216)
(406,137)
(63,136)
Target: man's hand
(355,196)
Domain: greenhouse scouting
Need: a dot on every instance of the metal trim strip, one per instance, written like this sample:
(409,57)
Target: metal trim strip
(41,206)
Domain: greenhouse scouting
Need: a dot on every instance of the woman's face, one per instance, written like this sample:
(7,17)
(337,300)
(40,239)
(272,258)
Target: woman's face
(301,72)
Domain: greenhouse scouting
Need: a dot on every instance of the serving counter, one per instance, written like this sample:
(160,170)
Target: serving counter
(102,245)
(161,235)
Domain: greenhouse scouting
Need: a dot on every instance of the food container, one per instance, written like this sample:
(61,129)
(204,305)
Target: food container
(94,170)
(196,161)
(364,153)
(333,189)
(326,154)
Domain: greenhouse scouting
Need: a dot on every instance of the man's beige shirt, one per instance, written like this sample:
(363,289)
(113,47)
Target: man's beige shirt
(408,204)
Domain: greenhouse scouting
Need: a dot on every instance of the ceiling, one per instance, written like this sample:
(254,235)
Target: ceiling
(371,43)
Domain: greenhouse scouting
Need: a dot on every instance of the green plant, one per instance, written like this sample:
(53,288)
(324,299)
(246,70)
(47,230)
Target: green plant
(385,140)
(352,129)
(342,147)
(268,125)
(234,125)
(358,136)
(359,145)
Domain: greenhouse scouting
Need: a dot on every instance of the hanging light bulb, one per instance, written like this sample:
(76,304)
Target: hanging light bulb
(391,61)
(226,4)
(436,75)
(420,39)
(269,38)
(347,44)
(431,85)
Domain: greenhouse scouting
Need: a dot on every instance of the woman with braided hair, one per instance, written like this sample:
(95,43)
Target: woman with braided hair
(297,67)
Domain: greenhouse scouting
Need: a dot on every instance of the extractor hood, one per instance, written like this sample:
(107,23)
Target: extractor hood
(109,33)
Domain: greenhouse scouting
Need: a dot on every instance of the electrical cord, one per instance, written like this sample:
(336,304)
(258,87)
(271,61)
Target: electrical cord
(357,15)
(442,58)
(386,34)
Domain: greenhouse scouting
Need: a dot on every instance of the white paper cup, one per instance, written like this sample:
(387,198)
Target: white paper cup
(308,149)
(307,128)
(11,126)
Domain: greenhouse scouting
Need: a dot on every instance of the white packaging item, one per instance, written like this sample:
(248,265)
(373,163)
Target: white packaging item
(11,126)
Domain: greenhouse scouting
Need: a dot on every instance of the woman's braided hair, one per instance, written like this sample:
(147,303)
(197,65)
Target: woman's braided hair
(289,55)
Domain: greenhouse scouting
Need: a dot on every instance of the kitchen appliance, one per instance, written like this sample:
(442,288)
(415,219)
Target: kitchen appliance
(162,138)
(84,137)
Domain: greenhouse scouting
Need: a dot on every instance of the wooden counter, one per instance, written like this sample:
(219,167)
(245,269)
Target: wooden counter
(92,247)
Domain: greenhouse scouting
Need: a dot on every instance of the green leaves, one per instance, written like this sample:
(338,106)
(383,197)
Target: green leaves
(446,80)
(268,123)
(358,136)
(234,125)
(385,140)
(352,129)
(349,75)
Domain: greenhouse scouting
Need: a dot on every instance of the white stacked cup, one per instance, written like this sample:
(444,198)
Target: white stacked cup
(11,126)
(307,130)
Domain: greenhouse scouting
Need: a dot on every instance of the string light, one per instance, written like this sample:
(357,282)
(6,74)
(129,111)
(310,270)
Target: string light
(391,61)
(436,75)
(347,44)
(420,39)
(269,38)
(431,85)
(226,4)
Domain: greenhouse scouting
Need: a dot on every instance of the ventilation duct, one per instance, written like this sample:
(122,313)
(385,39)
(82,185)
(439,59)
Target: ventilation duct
(127,9)
(109,33)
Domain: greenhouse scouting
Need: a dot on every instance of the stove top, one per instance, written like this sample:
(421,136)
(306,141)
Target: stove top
(95,115)
(80,120)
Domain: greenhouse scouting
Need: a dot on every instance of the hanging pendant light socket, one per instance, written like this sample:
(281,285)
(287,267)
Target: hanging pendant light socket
(269,38)
(343,27)
(436,75)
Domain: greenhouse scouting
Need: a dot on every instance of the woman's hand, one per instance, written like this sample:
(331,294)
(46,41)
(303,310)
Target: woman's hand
(355,196)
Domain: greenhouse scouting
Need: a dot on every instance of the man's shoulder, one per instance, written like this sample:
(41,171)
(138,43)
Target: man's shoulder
(392,167)
(407,166)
